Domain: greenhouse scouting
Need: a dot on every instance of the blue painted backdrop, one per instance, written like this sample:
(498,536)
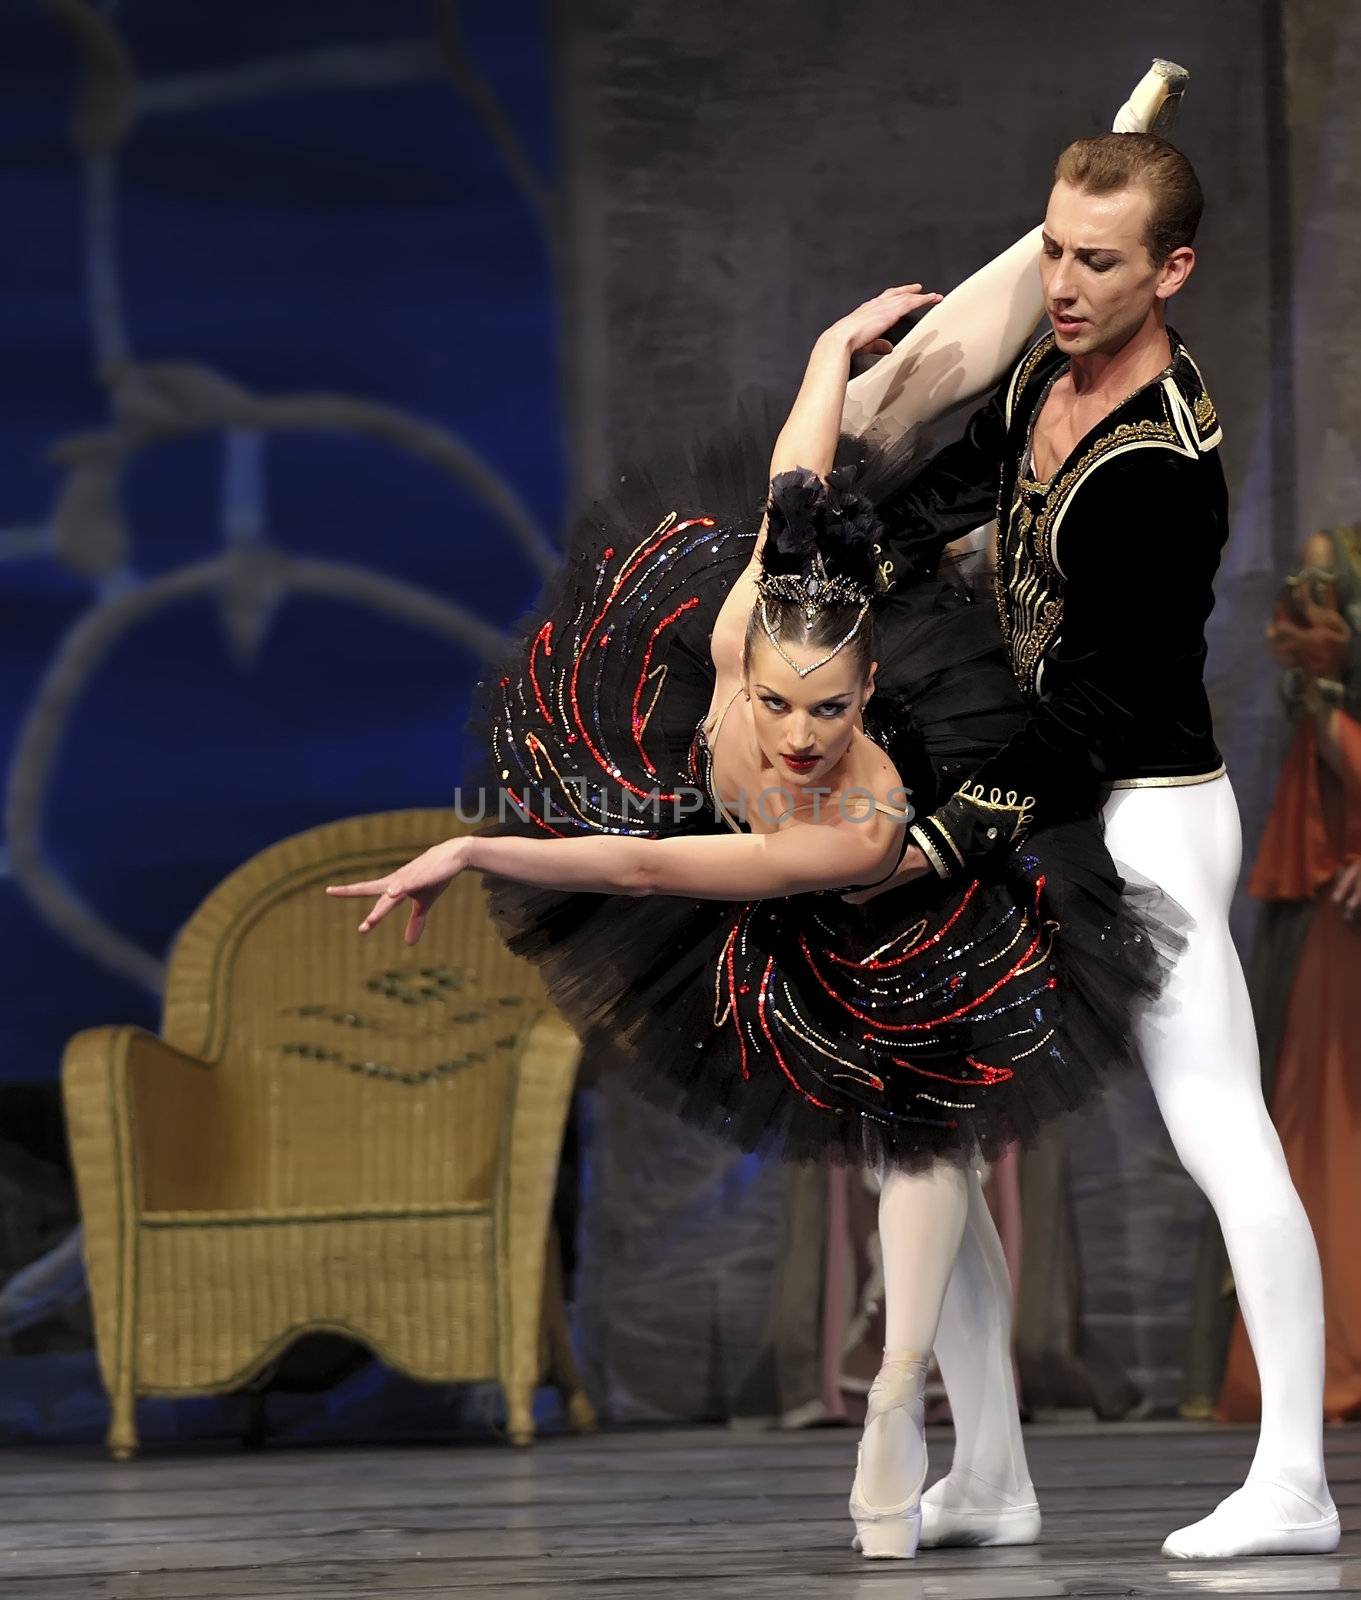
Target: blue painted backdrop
(309,198)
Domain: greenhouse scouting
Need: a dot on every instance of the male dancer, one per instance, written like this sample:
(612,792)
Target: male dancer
(1098,458)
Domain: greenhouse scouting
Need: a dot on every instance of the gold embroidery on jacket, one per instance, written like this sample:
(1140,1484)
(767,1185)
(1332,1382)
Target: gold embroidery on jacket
(1029,583)
(1205,413)
(998,804)
(1029,589)
(1026,371)
(1030,586)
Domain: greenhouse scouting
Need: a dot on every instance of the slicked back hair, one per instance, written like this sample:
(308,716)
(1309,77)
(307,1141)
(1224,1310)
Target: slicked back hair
(1112,161)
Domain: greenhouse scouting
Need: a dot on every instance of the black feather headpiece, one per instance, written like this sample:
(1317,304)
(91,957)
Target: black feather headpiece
(821,540)
(819,553)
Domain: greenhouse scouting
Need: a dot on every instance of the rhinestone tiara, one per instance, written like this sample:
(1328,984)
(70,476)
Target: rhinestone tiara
(813,589)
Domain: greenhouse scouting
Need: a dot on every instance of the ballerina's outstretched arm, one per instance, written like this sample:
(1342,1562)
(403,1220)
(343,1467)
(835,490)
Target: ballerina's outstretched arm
(737,867)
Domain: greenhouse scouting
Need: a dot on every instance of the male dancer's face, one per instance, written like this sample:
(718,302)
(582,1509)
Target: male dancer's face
(1100,284)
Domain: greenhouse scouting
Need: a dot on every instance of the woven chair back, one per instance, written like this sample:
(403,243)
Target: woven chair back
(346,1069)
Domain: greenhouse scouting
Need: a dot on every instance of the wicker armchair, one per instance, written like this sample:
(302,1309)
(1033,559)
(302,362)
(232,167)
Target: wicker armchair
(330,1133)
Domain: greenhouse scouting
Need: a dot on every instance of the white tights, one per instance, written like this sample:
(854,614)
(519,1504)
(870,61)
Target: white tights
(1200,1051)
(959,350)
(921,1223)
(946,1286)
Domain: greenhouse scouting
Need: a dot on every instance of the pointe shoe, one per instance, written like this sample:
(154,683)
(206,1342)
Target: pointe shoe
(1263,1518)
(891,1532)
(964,1510)
(1153,105)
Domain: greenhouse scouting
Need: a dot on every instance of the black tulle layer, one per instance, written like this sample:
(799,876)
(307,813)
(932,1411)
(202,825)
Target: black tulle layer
(935,1021)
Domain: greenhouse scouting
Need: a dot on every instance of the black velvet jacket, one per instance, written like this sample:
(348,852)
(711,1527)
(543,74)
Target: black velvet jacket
(1103,588)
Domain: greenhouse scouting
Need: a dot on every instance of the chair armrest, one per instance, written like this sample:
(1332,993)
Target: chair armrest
(131,1103)
(106,1075)
(531,1146)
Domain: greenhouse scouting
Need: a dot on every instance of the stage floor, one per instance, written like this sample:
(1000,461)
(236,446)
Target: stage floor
(630,1514)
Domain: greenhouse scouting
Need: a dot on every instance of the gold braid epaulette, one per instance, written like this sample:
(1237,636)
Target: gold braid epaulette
(993,800)
(974,823)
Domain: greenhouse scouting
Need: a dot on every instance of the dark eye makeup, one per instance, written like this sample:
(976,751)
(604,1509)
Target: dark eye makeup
(829,708)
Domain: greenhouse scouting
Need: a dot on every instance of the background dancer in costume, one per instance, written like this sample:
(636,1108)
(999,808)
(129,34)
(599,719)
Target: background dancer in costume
(1308,871)
(688,645)
(1097,456)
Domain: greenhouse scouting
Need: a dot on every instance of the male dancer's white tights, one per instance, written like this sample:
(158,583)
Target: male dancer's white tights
(1199,1047)
(1200,1050)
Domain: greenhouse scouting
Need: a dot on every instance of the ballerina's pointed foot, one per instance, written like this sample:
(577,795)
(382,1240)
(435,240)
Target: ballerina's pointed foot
(889,1534)
(1153,105)
(1263,1518)
(891,1459)
(963,1509)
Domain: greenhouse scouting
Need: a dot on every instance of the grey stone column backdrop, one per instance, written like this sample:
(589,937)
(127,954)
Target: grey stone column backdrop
(738,175)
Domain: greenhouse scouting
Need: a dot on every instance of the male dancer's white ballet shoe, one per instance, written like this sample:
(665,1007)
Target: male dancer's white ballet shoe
(892,1449)
(963,1509)
(1263,1518)
(1153,106)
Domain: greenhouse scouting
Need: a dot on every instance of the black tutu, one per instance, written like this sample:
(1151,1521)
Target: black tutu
(938,1019)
